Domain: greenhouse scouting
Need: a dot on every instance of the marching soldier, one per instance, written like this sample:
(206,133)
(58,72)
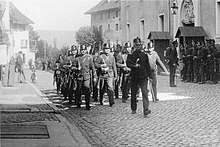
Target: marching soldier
(86,71)
(119,63)
(96,54)
(126,79)
(171,55)
(108,75)
(72,75)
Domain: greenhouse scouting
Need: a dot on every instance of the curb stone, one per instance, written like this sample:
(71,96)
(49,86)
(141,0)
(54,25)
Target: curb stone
(75,132)
(44,97)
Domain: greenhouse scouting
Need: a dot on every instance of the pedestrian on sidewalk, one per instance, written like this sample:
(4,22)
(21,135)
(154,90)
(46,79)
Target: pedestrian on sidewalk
(140,73)
(19,65)
(154,61)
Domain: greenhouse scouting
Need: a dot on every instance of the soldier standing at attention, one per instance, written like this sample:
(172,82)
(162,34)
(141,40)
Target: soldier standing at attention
(171,54)
(140,72)
(86,70)
(108,75)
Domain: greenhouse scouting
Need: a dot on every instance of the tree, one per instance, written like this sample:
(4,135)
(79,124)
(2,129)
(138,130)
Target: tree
(41,46)
(84,36)
(64,50)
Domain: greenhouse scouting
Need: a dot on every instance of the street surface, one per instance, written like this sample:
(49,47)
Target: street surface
(185,116)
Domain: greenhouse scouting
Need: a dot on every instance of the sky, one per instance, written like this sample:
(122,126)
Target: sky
(56,14)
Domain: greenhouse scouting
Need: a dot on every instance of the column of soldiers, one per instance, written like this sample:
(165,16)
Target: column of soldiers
(83,73)
(200,62)
(102,70)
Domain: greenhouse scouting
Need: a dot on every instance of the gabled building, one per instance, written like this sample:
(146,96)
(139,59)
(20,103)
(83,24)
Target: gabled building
(106,16)
(16,27)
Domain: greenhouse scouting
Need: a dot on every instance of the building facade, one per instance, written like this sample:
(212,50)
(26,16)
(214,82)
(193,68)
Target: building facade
(140,17)
(15,26)
(106,16)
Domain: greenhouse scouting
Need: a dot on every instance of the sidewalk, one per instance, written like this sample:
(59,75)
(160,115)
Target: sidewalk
(29,119)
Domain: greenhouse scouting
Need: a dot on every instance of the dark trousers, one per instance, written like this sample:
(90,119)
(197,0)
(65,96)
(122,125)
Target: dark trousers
(201,73)
(106,84)
(190,75)
(83,86)
(126,86)
(172,74)
(96,89)
(195,70)
(135,85)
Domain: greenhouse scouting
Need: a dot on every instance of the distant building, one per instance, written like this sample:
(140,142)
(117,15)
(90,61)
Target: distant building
(106,15)
(16,28)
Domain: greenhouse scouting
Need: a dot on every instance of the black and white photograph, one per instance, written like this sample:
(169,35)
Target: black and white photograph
(109,73)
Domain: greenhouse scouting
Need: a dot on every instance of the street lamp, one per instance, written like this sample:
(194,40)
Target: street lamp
(174,7)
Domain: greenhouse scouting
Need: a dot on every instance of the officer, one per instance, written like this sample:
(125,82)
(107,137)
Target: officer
(140,72)
(108,74)
(119,63)
(171,55)
(126,79)
(86,71)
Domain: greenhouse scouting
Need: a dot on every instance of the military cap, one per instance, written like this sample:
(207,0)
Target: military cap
(137,40)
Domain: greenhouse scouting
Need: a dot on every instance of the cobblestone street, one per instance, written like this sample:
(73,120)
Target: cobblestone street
(187,115)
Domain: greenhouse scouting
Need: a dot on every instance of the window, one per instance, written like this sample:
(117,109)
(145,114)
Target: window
(109,15)
(101,16)
(22,28)
(116,27)
(142,30)
(116,13)
(23,43)
(128,32)
(100,29)
(161,23)
(218,19)
(23,58)
(33,43)
(109,27)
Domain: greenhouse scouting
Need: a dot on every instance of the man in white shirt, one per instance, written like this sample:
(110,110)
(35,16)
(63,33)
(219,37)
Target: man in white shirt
(154,60)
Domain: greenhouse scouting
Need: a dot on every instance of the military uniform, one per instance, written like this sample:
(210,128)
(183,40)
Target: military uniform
(86,72)
(126,79)
(119,63)
(108,74)
(201,57)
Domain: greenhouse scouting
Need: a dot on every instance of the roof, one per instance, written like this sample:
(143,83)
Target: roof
(197,31)
(159,35)
(17,17)
(104,5)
